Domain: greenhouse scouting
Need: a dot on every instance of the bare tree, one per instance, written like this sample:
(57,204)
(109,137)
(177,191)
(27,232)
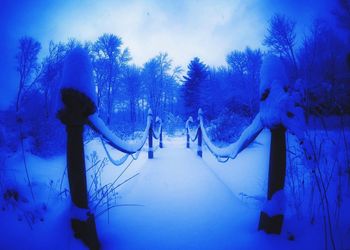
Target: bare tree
(51,72)
(132,82)
(245,67)
(322,66)
(237,60)
(343,13)
(156,76)
(281,38)
(108,61)
(27,66)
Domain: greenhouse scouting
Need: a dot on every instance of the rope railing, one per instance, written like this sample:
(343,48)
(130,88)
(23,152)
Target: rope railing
(156,135)
(132,148)
(190,135)
(159,134)
(222,154)
(193,137)
(100,128)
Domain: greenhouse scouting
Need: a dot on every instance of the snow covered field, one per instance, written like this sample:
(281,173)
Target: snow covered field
(177,201)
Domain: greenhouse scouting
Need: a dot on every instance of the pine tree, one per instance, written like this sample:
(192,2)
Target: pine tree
(193,82)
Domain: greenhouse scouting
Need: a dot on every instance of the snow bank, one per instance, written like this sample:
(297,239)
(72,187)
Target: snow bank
(77,73)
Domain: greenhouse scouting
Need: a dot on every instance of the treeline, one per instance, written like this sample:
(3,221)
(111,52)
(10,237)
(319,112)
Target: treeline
(318,63)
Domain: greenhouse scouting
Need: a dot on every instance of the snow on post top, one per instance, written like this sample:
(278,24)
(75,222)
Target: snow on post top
(77,73)
(200,112)
(273,94)
(272,72)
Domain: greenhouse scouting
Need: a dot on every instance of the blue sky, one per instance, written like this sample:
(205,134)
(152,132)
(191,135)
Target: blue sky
(183,29)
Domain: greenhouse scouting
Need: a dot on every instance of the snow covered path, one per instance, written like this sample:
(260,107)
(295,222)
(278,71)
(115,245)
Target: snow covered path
(184,206)
(186,202)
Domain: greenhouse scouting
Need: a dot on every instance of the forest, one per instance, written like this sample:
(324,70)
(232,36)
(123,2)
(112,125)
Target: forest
(319,62)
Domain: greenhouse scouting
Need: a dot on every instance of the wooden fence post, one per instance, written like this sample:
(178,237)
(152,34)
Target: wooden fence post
(199,146)
(161,137)
(277,172)
(150,136)
(187,138)
(74,115)
(78,104)
(200,139)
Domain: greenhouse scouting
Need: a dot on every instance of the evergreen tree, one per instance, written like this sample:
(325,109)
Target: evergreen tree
(193,82)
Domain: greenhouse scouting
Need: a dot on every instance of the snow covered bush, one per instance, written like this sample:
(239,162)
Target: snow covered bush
(227,127)
(16,198)
(44,133)
(9,129)
(318,189)
(172,123)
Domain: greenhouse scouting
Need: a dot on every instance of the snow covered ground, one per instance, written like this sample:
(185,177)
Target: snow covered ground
(177,201)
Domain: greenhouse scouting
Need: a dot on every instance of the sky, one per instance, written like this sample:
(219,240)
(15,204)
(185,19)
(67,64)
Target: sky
(182,28)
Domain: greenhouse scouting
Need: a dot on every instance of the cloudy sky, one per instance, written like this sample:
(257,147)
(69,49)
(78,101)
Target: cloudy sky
(182,28)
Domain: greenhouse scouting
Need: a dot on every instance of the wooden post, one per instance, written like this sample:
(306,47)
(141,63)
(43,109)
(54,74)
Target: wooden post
(161,137)
(150,136)
(277,173)
(199,148)
(187,138)
(199,131)
(74,115)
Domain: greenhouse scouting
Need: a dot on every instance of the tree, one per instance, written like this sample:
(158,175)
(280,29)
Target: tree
(108,62)
(156,76)
(343,14)
(237,60)
(245,69)
(281,39)
(322,66)
(215,92)
(132,84)
(27,66)
(196,75)
(51,73)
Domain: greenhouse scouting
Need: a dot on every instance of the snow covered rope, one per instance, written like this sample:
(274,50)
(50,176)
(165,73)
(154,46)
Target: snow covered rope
(129,148)
(222,154)
(118,162)
(78,102)
(197,136)
(159,134)
(152,135)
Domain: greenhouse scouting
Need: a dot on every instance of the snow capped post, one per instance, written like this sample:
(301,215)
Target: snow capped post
(190,119)
(161,138)
(161,135)
(280,110)
(199,149)
(150,135)
(273,94)
(78,102)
